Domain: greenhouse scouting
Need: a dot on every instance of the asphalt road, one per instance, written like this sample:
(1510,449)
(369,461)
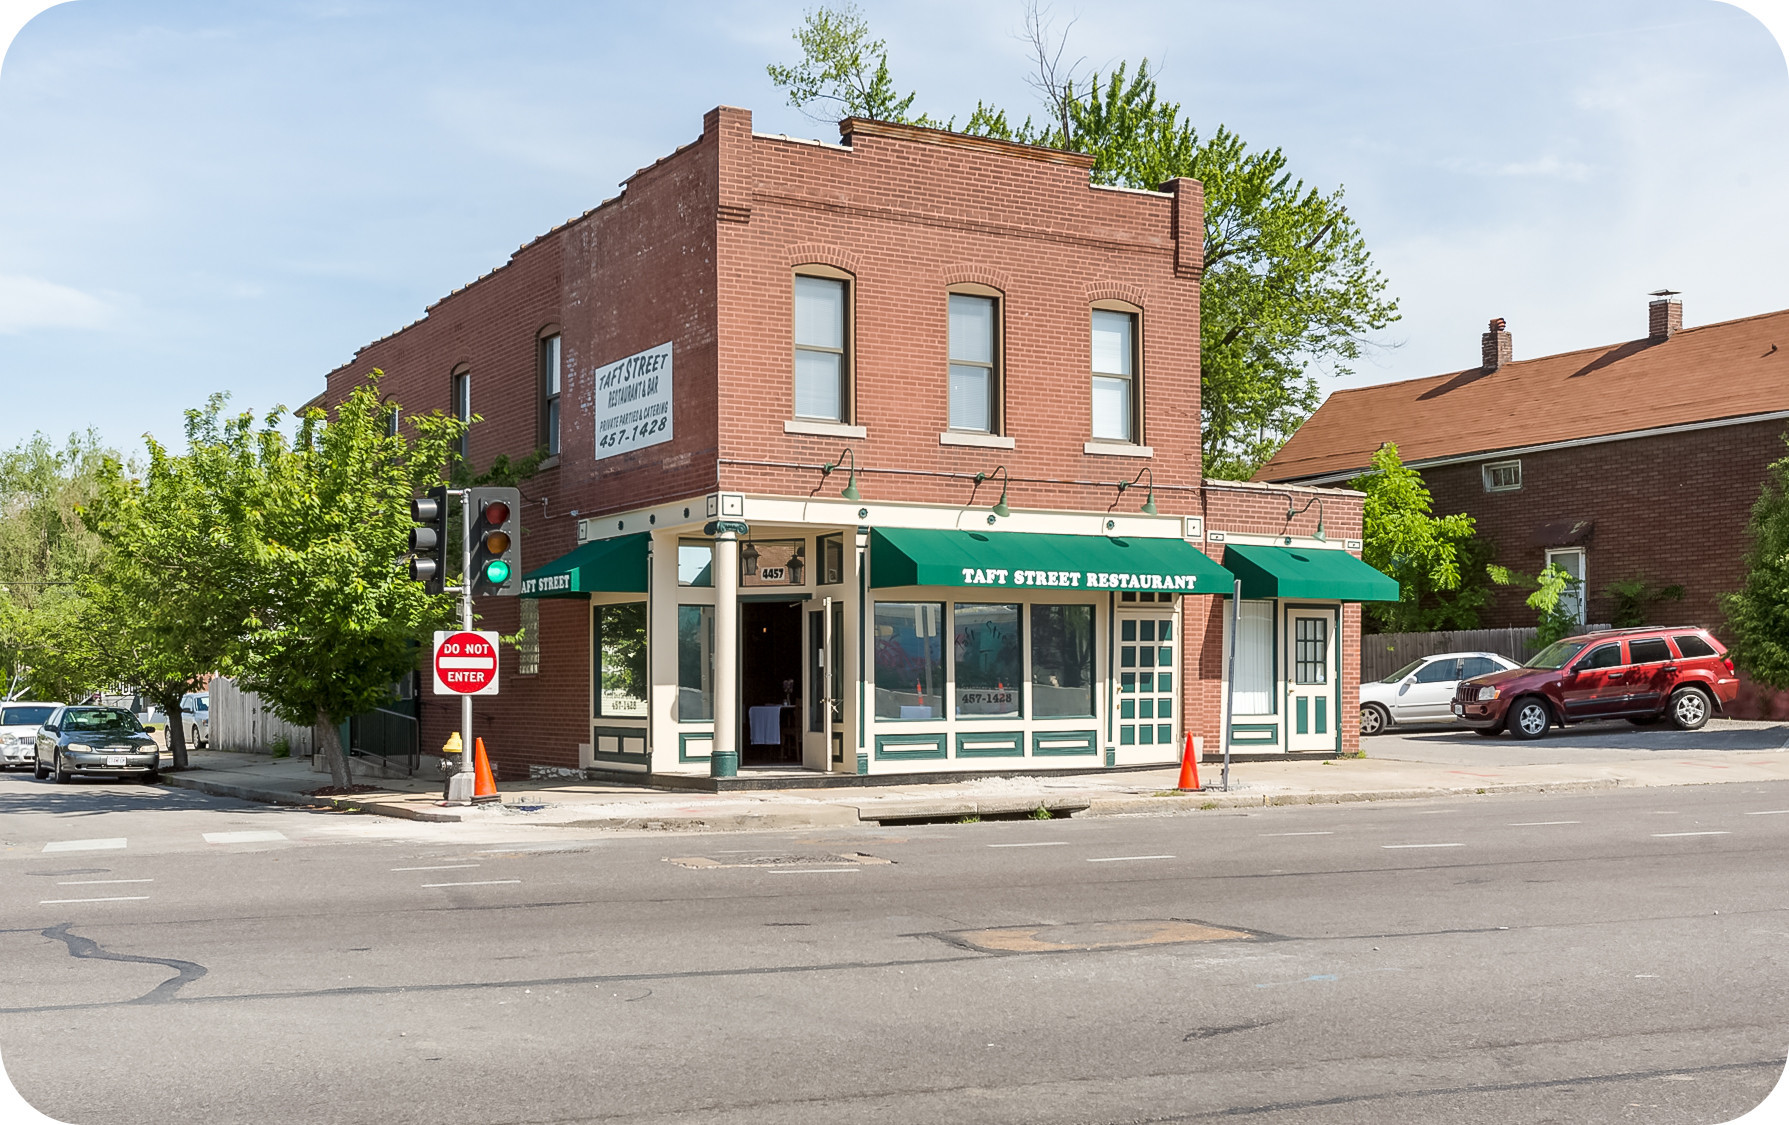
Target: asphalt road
(1616,956)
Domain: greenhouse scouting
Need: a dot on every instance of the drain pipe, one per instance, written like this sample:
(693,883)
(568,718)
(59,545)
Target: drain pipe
(1230,678)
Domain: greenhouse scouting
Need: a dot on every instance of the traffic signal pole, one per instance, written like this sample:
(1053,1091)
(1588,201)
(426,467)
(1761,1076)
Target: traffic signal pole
(462,783)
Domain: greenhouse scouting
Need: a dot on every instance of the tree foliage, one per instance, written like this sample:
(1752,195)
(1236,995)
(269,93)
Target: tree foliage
(1554,597)
(1288,285)
(1758,612)
(1437,560)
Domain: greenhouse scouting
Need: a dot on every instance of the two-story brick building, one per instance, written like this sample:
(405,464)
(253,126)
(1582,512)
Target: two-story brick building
(875,457)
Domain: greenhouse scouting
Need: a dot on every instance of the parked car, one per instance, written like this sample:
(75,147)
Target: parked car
(1642,675)
(19,720)
(1422,690)
(195,715)
(103,740)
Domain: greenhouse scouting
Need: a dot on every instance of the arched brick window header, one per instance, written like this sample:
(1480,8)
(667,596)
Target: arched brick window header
(1117,291)
(977,275)
(820,254)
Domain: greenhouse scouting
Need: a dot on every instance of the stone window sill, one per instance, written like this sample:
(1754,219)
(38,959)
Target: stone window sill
(982,441)
(823,429)
(1116,449)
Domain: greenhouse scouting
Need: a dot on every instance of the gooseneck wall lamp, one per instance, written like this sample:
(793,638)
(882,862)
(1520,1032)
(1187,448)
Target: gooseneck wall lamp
(1149,508)
(845,454)
(1292,510)
(1000,509)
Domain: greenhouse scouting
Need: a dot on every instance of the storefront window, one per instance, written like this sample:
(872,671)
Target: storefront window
(1254,658)
(773,562)
(695,564)
(909,660)
(620,644)
(695,663)
(1061,661)
(986,644)
(832,559)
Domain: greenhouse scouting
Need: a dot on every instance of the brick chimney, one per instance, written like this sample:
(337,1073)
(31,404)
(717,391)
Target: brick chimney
(1497,348)
(1664,316)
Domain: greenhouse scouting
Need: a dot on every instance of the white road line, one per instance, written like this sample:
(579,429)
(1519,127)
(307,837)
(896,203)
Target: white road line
(481,883)
(1422,845)
(1692,833)
(86,882)
(252,837)
(1123,858)
(1542,823)
(119,898)
(1769,812)
(439,867)
(1038,844)
(1298,833)
(84,845)
(812,870)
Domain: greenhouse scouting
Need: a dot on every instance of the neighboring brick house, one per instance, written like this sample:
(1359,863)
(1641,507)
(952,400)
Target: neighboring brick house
(857,455)
(1640,459)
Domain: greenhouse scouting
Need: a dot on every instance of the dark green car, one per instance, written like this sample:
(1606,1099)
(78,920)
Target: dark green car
(97,740)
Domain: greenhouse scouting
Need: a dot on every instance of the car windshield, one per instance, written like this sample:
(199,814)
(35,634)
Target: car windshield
(1556,655)
(1404,671)
(100,718)
(24,716)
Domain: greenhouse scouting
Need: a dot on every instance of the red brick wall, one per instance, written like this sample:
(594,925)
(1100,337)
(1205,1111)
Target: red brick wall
(1672,509)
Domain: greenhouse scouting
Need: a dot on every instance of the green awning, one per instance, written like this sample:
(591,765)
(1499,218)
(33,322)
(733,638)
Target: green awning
(1020,560)
(1303,572)
(603,566)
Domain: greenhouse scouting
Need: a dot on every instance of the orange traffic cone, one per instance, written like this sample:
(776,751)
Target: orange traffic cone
(1189,768)
(484,784)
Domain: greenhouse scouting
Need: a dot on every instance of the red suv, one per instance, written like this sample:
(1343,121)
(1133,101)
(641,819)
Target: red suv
(1640,675)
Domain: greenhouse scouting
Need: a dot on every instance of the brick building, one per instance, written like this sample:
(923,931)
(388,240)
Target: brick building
(874,457)
(1635,460)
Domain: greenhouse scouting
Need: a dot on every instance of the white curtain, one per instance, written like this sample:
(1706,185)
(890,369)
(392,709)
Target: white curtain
(1254,659)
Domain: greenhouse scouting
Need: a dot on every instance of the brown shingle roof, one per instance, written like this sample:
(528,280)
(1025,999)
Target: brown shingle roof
(1726,370)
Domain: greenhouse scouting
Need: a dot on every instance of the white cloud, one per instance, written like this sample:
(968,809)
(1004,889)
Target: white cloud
(32,302)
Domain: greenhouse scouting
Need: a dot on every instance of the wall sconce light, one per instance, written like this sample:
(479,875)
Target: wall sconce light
(748,556)
(1293,511)
(845,454)
(1149,508)
(798,564)
(1000,509)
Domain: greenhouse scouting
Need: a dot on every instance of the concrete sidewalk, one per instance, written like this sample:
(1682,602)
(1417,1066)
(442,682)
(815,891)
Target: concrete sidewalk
(1419,765)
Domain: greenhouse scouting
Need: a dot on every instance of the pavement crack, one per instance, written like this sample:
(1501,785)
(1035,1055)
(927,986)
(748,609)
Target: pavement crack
(1213,1032)
(88,949)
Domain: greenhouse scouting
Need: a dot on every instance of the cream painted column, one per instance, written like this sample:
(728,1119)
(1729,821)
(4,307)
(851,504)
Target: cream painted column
(724,755)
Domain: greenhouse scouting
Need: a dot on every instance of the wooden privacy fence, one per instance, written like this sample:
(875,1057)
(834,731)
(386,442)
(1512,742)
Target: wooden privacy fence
(1381,654)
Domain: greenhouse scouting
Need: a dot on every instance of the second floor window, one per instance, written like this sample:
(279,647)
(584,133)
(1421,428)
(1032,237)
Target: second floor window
(821,360)
(1114,375)
(462,411)
(550,383)
(973,388)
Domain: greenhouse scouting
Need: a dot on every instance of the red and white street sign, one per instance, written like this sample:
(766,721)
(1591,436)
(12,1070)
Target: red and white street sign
(465,663)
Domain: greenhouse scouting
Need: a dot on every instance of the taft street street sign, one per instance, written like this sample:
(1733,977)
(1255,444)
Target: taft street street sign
(465,663)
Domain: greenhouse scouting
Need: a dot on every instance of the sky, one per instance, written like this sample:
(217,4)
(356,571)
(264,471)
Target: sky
(235,196)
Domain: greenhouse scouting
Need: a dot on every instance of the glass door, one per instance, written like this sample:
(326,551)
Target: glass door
(1313,668)
(1147,649)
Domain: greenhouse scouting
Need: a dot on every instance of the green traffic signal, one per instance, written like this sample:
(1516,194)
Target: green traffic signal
(497,572)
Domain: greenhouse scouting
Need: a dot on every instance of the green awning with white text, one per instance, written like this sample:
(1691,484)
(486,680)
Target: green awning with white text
(602,566)
(1302,572)
(1023,560)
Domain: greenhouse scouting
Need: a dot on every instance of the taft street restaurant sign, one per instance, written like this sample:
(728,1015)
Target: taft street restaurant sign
(633,402)
(1078,579)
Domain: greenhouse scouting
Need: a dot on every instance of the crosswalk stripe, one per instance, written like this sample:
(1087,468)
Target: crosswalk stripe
(252,837)
(116,898)
(85,845)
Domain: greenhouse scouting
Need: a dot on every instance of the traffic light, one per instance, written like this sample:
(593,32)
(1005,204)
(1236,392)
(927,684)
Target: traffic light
(428,543)
(496,542)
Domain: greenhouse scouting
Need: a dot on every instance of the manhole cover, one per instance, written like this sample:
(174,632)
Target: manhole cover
(1092,935)
(702,861)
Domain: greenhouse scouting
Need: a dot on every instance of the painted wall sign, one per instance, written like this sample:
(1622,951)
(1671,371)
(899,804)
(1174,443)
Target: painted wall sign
(633,402)
(1077,579)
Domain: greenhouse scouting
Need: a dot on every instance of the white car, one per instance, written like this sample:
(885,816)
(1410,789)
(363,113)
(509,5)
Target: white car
(1422,691)
(195,715)
(19,720)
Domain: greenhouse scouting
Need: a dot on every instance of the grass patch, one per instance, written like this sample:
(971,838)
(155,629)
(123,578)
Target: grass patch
(971,819)
(1041,813)
(1209,805)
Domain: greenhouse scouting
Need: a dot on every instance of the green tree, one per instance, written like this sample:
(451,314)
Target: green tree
(1550,597)
(1758,612)
(1438,561)
(1288,286)
(842,69)
(315,527)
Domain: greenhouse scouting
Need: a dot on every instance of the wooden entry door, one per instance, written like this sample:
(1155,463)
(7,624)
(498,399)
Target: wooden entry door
(1313,665)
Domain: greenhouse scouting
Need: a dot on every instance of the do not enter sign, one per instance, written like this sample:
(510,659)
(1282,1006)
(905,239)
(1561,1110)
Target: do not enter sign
(465,663)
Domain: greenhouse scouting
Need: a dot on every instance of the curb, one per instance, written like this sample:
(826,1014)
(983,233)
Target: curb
(369,804)
(1202,801)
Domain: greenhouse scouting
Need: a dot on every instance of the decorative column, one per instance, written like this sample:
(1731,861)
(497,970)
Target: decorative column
(724,755)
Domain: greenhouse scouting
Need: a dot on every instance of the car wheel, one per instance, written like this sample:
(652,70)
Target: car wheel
(1487,732)
(1373,719)
(63,776)
(38,769)
(1529,719)
(1689,708)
